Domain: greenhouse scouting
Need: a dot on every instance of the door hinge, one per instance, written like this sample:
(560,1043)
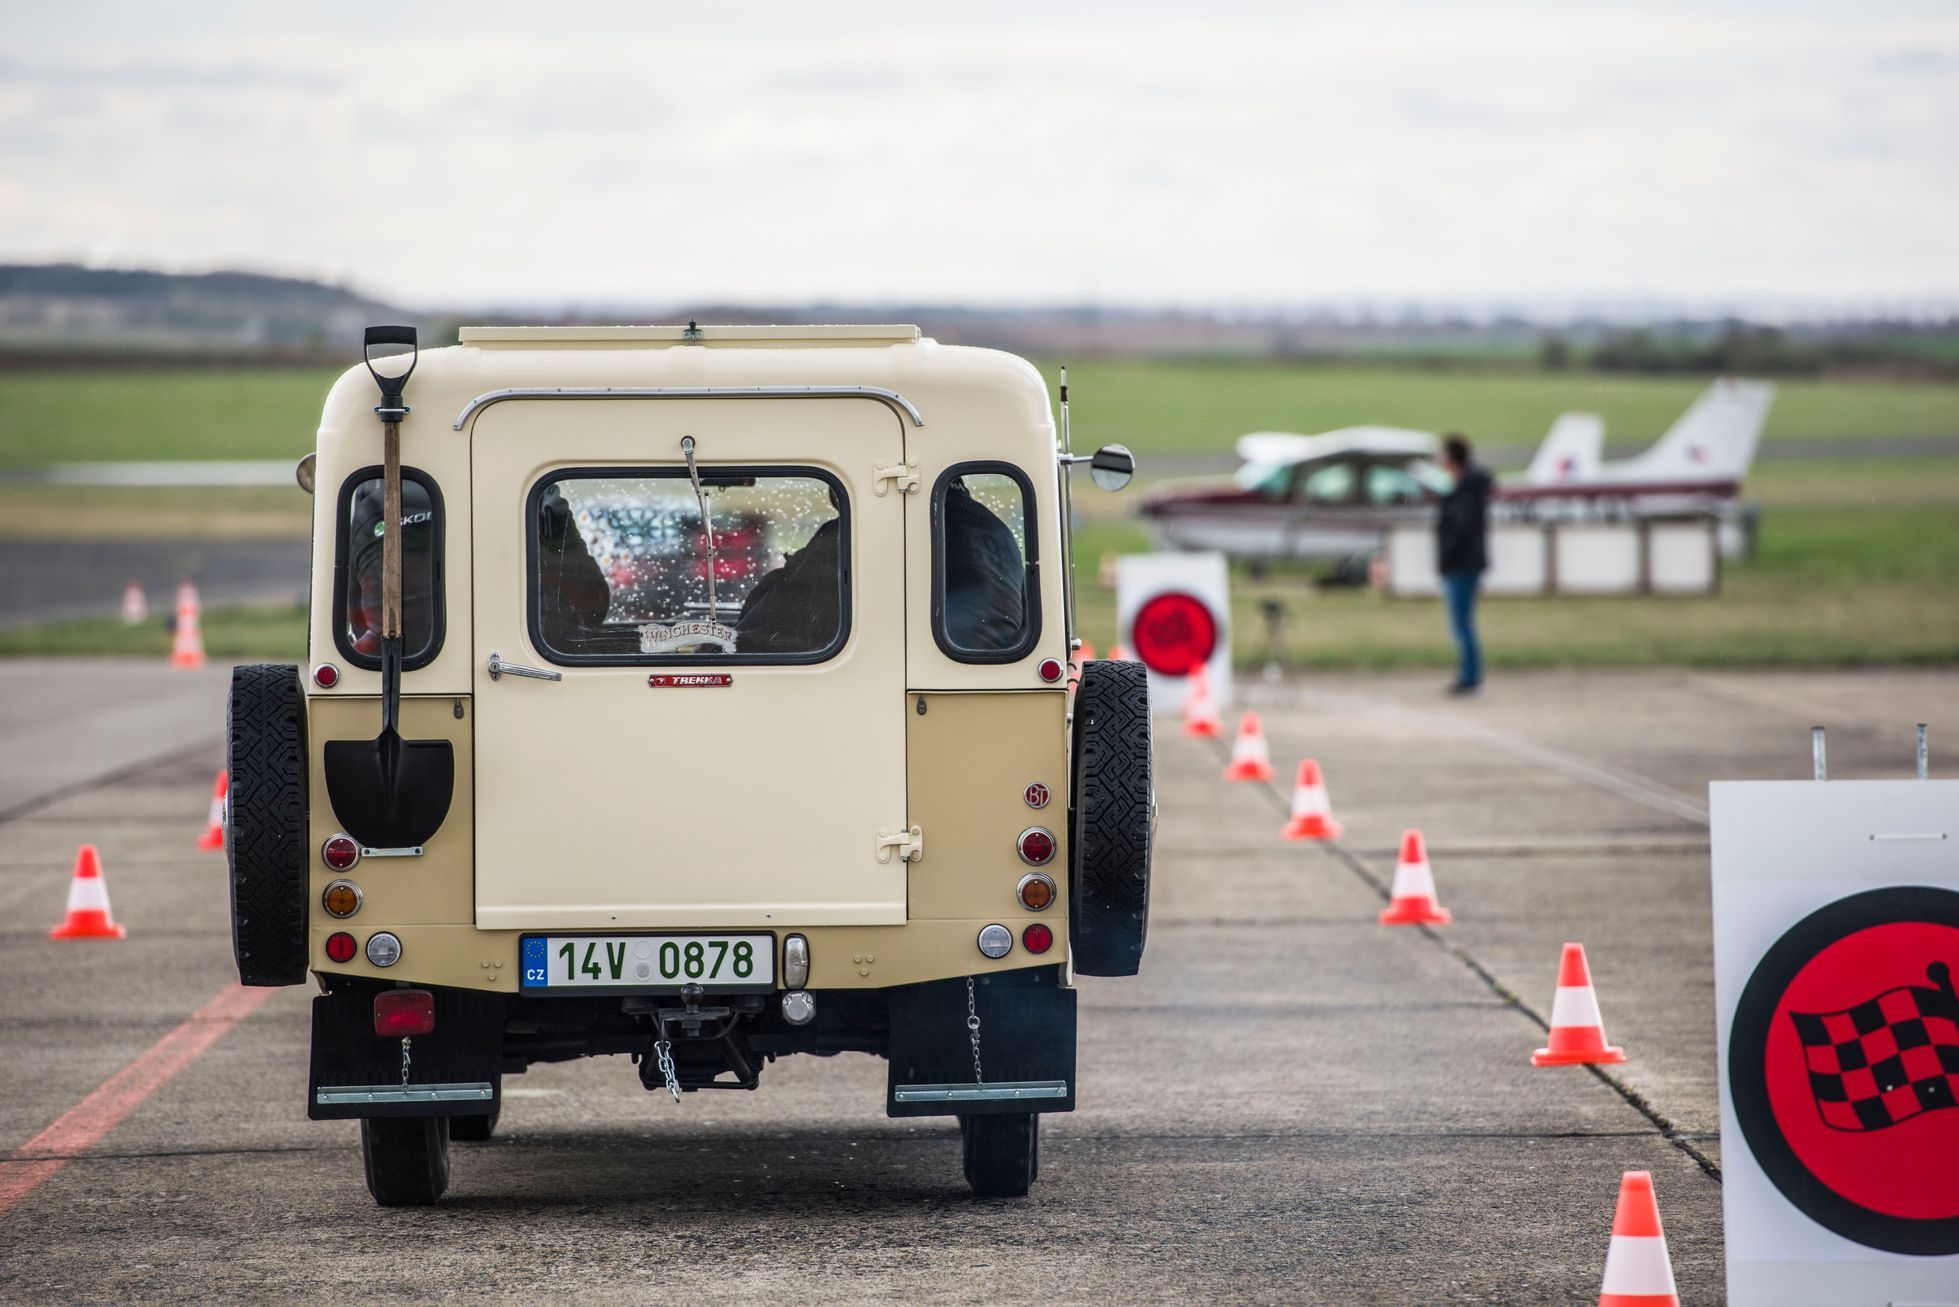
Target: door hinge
(910,844)
(903,475)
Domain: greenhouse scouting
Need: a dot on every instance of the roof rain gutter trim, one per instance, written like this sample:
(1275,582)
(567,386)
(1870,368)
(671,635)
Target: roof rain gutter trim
(897,402)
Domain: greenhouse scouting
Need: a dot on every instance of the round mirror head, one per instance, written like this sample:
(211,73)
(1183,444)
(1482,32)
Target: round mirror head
(304,472)
(1112,466)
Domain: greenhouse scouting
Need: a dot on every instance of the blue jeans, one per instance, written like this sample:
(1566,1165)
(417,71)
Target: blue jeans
(1459,592)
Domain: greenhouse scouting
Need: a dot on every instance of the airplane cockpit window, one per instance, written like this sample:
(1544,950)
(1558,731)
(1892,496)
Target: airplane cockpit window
(1332,484)
(1389,484)
(1267,479)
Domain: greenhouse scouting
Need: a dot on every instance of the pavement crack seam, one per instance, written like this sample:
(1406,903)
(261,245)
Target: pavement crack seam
(1633,1098)
(168,759)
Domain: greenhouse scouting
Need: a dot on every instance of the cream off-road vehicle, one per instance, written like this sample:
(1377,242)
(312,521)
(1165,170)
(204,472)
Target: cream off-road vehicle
(700,695)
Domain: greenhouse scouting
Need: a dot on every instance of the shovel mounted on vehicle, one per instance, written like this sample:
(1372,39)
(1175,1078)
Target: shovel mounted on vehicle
(388,792)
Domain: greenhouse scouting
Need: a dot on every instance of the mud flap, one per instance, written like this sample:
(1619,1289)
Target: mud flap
(1027,1046)
(454,1070)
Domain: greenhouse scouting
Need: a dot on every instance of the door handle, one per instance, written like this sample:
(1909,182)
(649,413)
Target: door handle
(498,667)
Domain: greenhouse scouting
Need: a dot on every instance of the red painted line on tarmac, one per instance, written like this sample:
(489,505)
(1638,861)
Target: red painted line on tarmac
(78,1129)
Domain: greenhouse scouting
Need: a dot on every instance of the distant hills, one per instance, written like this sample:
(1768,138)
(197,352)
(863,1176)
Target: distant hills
(51,306)
(67,314)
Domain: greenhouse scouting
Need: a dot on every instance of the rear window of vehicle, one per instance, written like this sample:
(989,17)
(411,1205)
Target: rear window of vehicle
(357,569)
(985,601)
(623,568)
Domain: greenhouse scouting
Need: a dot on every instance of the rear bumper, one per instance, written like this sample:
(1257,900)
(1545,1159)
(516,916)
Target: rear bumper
(1026,1029)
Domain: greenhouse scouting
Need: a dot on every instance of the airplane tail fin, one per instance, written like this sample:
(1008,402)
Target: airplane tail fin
(1714,440)
(1572,451)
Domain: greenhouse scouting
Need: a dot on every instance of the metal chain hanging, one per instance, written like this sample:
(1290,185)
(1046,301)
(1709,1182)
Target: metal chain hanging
(973,1029)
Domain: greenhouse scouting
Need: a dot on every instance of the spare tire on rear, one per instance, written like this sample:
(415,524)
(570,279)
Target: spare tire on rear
(1112,817)
(265,823)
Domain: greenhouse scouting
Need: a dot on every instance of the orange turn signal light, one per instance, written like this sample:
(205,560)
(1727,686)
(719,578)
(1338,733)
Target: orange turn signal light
(341,899)
(1036,891)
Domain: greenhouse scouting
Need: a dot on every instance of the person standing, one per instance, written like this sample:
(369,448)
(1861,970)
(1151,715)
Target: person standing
(1462,555)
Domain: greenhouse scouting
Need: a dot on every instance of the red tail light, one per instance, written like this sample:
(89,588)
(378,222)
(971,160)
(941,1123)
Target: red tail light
(1036,845)
(1037,938)
(340,852)
(399,1013)
(340,946)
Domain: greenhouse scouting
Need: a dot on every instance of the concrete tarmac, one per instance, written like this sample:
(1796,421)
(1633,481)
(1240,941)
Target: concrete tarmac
(1290,1104)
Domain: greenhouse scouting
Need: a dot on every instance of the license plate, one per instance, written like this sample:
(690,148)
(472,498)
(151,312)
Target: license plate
(718,963)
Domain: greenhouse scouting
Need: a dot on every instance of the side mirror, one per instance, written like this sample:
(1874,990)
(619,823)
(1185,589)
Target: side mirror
(304,472)
(1112,466)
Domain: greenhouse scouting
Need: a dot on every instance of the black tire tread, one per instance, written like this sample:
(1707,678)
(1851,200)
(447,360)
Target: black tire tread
(265,824)
(1112,820)
(406,1159)
(1002,1152)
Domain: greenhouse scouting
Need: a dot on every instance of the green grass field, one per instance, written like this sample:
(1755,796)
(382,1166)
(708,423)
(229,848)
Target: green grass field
(1153,406)
(1859,558)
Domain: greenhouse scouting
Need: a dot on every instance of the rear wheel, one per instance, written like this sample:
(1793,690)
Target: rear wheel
(406,1159)
(1003,1152)
(474,1129)
(1114,819)
(265,823)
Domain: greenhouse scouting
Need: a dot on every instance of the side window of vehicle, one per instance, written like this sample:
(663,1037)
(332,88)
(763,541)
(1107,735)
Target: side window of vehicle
(985,597)
(1332,484)
(624,570)
(357,569)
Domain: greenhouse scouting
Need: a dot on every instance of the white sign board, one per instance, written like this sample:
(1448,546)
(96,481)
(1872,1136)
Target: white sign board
(1173,614)
(1836,947)
(1519,557)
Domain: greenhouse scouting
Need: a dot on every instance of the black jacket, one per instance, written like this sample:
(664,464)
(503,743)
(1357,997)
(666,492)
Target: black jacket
(1463,528)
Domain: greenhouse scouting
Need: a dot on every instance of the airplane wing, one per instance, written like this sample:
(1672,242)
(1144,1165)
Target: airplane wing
(1572,451)
(1714,440)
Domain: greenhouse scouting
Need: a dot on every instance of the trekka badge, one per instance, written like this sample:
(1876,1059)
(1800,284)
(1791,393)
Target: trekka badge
(1844,1068)
(687,637)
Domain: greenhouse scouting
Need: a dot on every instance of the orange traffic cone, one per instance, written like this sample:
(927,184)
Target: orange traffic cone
(187,649)
(1085,654)
(1638,1272)
(88,902)
(1413,900)
(135,608)
(1251,759)
(1312,813)
(1119,654)
(213,836)
(1577,1033)
(1200,710)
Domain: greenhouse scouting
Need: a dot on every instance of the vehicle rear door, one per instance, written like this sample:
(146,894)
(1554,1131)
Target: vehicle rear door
(663,778)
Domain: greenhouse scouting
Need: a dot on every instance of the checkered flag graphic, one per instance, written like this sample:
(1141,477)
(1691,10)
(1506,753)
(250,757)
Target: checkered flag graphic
(1887,1059)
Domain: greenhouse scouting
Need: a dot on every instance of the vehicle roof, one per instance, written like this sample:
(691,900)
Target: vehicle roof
(1281,447)
(949,387)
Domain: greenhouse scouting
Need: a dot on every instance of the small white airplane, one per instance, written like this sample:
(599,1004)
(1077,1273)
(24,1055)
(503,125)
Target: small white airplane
(1711,443)
(1331,496)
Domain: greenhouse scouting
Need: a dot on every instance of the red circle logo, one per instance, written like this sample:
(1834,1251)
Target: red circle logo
(1037,795)
(1844,1068)
(1174,634)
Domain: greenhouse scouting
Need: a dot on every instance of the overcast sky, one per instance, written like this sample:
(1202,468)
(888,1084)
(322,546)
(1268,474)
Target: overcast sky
(543,154)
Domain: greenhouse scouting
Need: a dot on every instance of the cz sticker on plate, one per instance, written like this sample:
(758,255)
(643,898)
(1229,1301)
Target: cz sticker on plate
(635,963)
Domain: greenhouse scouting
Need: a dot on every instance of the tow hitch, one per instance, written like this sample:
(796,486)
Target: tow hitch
(696,1042)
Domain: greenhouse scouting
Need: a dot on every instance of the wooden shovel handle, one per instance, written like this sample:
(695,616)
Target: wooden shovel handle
(391,532)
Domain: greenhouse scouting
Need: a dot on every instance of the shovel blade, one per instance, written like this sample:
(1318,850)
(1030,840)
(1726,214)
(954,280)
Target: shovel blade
(388,792)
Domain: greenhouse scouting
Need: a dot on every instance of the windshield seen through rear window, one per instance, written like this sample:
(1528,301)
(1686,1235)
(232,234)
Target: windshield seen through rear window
(624,568)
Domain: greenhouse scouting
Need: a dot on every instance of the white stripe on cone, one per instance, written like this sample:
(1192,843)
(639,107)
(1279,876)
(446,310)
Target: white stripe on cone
(1637,1265)
(1309,801)
(1252,749)
(1575,1005)
(87,893)
(1414,880)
